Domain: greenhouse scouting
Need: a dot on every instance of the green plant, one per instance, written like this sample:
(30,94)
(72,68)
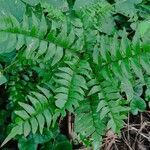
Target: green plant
(66,56)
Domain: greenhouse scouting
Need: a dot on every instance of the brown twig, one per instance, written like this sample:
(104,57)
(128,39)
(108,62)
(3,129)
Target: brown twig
(125,140)
(70,126)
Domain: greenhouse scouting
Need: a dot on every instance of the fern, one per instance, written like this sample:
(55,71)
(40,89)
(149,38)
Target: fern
(77,60)
(88,122)
(70,91)
(34,37)
(53,13)
(130,58)
(32,117)
(109,103)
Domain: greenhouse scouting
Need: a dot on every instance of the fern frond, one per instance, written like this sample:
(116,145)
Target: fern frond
(96,8)
(71,85)
(95,14)
(16,83)
(124,60)
(34,116)
(53,13)
(37,38)
(88,122)
(110,105)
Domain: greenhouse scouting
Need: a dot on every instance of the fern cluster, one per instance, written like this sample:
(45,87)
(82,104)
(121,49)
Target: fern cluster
(71,58)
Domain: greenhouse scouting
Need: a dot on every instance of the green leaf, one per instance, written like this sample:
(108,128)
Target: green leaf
(80,4)
(143,27)
(59,4)
(126,86)
(43,27)
(34,125)
(41,122)
(28,108)
(41,98)
(101,105)
(35,102)
(127,7)
(32,2)
(13,7)
(60,103)
(27,144)
(45,92)
(137,68)
(104,112)
(46,136)
(16,130)
(2,79)
(65,144)
(48,117)
(58,55)
(23,114)
(137,104)
(94,90)
(27,128)
(50,52)
(42,49)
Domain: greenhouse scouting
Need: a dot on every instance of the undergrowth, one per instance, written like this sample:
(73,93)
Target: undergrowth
(87,60)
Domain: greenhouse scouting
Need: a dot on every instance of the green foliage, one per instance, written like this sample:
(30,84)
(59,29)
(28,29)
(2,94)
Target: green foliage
(70,90)
(137,104)
(88,122)
(14,7)
(89,58)
(32,3)
(2,79)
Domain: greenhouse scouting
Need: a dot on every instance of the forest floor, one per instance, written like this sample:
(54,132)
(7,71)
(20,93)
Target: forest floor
(134,136)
